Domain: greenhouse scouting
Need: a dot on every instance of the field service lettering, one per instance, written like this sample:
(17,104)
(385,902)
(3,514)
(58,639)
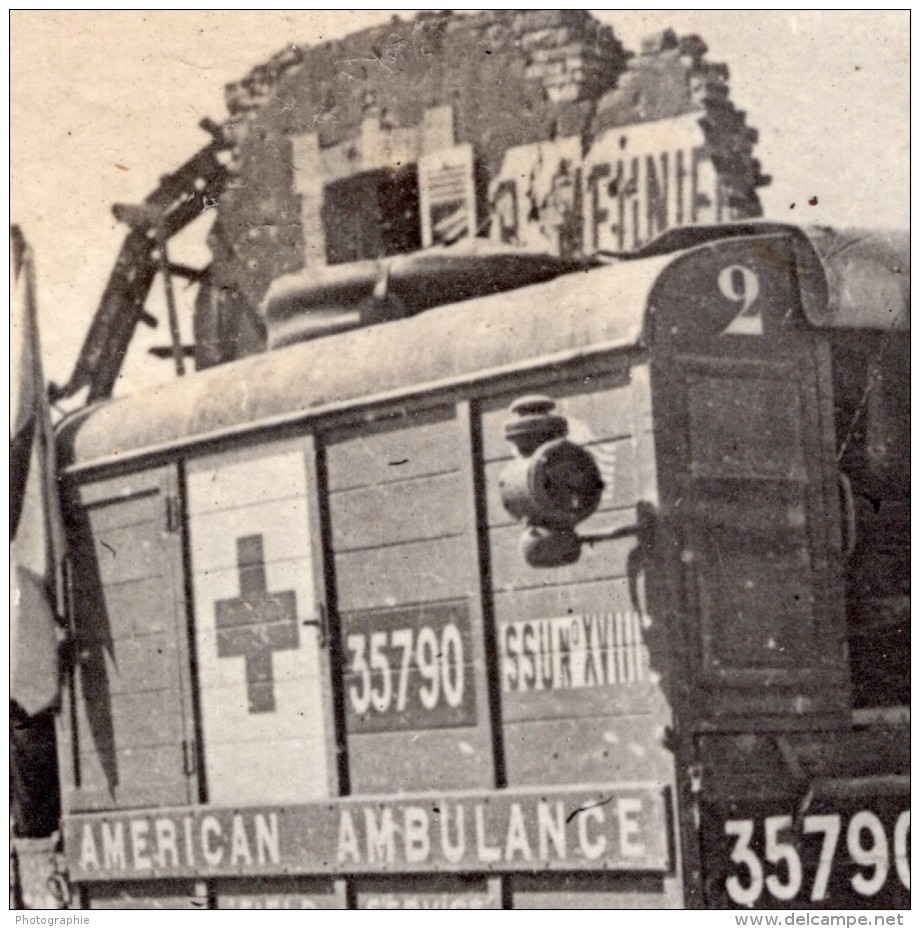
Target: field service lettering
(571,652)
(869,856)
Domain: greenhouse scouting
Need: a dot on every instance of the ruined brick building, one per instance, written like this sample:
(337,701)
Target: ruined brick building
(534,128)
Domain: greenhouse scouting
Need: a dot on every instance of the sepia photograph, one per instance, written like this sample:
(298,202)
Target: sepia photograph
(460,460)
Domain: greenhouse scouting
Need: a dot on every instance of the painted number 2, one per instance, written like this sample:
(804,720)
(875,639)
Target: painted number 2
(741,285)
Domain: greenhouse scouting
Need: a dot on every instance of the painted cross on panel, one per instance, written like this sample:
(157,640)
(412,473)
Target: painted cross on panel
(256,624)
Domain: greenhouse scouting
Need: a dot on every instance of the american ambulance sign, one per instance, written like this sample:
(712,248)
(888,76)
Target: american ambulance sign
(594,827)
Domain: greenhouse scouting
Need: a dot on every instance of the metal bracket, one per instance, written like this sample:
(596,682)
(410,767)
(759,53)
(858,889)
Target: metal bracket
(322,624)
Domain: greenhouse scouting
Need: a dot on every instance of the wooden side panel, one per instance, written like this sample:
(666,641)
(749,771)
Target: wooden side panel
(410,618)
(413,509)
(582,662)
(260,667)
(409,606)
(391,450)
(585,669)
(573,750)
(413,572)
(130,717)
(582,656)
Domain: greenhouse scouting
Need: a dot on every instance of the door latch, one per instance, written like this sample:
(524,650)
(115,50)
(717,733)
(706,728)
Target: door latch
(321,623)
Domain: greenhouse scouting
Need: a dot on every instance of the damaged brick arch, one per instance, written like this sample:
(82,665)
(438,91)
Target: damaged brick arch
(353,116)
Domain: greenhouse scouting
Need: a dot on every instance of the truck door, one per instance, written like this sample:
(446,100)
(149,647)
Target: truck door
(409,602)
(130,711)
(261,665)
(745,445)
(416,712)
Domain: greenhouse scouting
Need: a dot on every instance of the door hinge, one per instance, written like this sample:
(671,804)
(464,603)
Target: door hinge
(173,513)
(189,757)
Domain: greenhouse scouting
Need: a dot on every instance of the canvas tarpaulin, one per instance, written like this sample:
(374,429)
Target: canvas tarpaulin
(36,532)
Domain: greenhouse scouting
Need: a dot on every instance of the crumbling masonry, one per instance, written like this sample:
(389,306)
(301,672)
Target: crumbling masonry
(328,143)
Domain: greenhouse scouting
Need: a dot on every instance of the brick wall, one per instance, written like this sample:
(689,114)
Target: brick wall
(511,78)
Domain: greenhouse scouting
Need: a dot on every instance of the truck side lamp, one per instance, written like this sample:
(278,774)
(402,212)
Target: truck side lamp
(552,484)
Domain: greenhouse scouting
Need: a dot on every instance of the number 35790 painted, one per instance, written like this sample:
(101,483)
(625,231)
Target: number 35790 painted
(408,668)
(859,857)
